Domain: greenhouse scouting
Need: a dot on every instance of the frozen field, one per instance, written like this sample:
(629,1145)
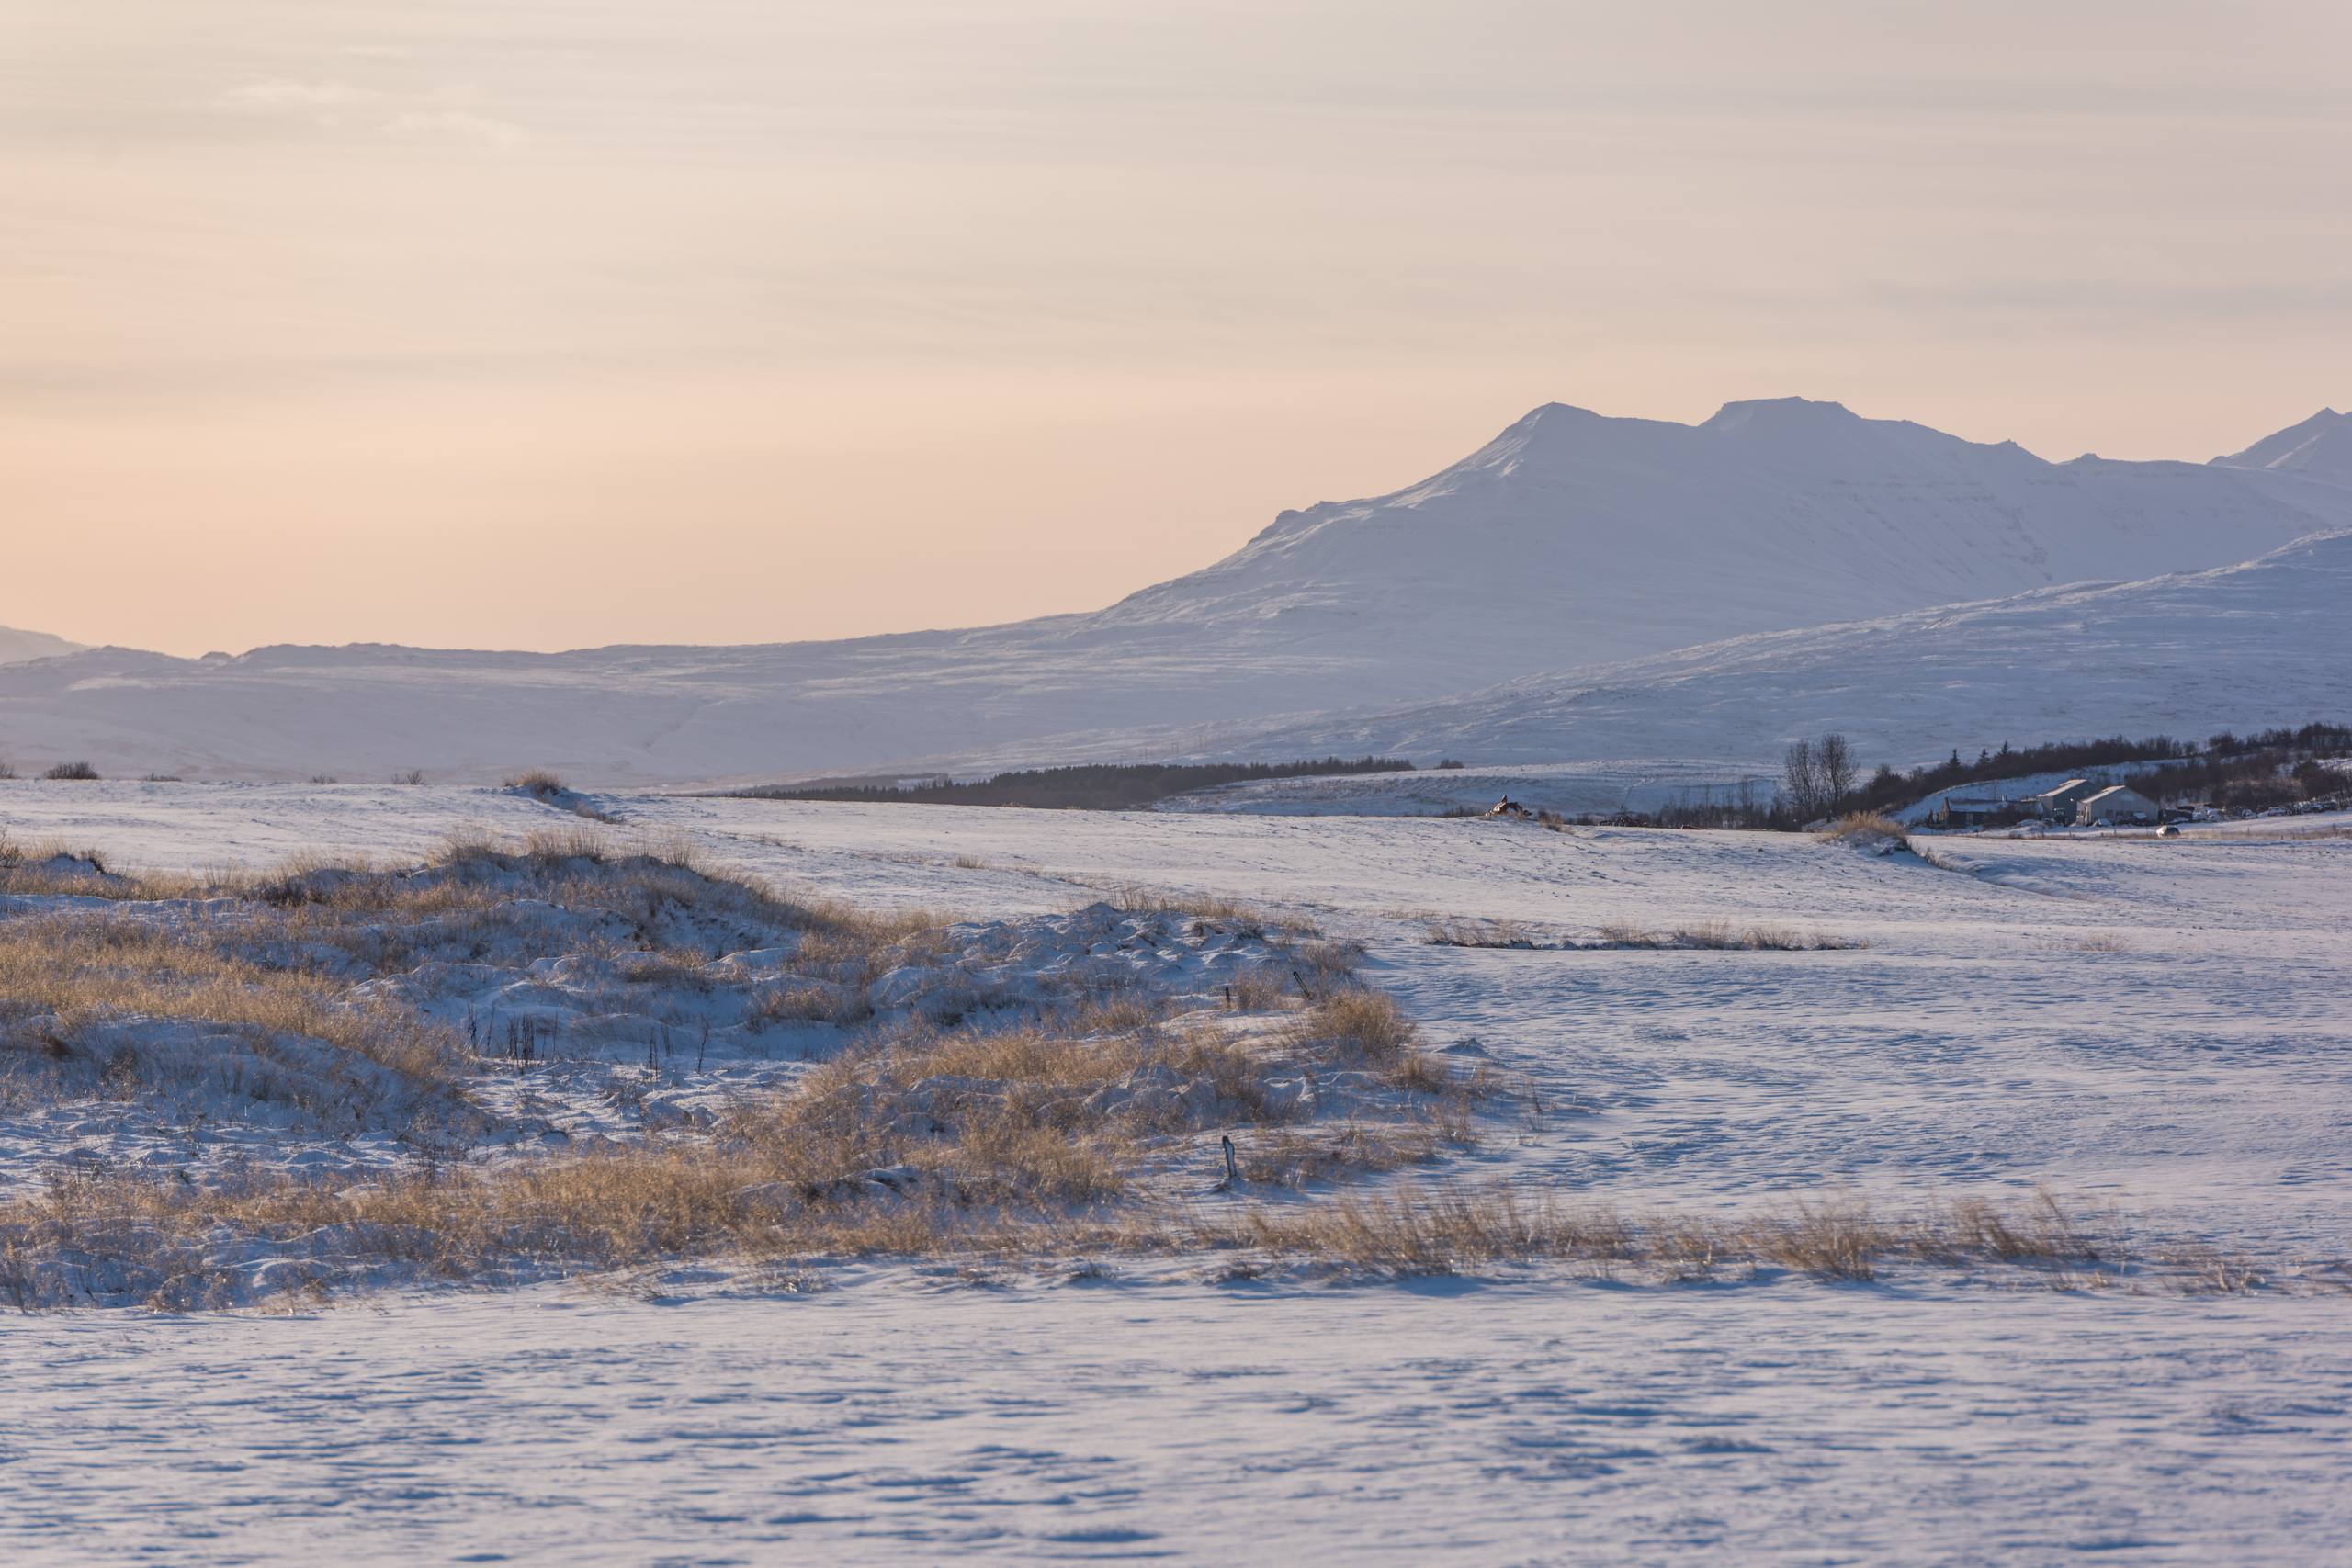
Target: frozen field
(2154,1031)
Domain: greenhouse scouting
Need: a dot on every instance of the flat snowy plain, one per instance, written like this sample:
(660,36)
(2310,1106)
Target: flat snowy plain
(2157,1030)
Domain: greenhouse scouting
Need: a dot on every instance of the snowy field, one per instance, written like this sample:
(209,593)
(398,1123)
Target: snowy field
(2152,1030)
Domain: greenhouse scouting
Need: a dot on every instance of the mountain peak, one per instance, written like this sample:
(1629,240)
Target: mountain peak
(1771,415)
(2320,449)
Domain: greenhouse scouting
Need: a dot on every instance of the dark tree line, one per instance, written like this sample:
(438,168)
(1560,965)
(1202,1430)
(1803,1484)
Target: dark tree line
(1100,787)
(1819,776)
(2254,773)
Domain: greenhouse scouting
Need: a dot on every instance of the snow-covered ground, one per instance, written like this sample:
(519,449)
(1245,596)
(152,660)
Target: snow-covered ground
(2152,1030)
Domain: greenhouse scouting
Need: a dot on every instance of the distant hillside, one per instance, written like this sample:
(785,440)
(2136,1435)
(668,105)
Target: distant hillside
(2261,643)
(17,646)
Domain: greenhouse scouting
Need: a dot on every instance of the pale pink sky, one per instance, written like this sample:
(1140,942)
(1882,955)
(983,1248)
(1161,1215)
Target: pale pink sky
(566,321)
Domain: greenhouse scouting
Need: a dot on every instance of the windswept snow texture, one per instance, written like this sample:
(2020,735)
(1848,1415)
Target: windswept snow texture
(18,646)
(2245,645)
(1569,539)
(2154,1025)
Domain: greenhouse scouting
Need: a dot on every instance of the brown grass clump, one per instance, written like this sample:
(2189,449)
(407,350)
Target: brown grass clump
(1863,825)
(1364,1029)
(1365,1026)
(1301,1156)
(1062,1113)
(276,959)
(63,973)
(1720,936)
(1413,1231)
(1260,990)
(1200,905)
(1478,933)
(751,1199)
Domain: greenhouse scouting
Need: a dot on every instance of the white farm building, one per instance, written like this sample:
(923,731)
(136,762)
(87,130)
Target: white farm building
(2118,803)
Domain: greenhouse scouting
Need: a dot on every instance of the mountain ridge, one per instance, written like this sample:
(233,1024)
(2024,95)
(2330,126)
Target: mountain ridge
(1572,539)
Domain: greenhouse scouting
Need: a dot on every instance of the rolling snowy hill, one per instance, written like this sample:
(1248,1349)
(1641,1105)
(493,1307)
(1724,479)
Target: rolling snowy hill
(17,646)
(2259,643)
(1571,539)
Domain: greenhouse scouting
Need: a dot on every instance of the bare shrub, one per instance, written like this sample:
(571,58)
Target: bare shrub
(538,782)
(78,771)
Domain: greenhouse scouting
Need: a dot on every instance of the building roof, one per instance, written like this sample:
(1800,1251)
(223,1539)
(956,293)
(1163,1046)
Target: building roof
(2113,790)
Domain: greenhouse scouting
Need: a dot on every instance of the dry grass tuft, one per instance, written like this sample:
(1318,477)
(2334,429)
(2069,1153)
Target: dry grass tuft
(1411,1232)
(1364,1029)
(1303,1156)
(1720,936)
(1200,906)
(69,972)
(1449,932)
(1864,825)
(768,1197)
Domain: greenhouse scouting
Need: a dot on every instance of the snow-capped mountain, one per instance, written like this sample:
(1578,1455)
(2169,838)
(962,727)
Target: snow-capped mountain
(2263,642)
(1570,539)
(1574,538)
(15,646)
(2319,449)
